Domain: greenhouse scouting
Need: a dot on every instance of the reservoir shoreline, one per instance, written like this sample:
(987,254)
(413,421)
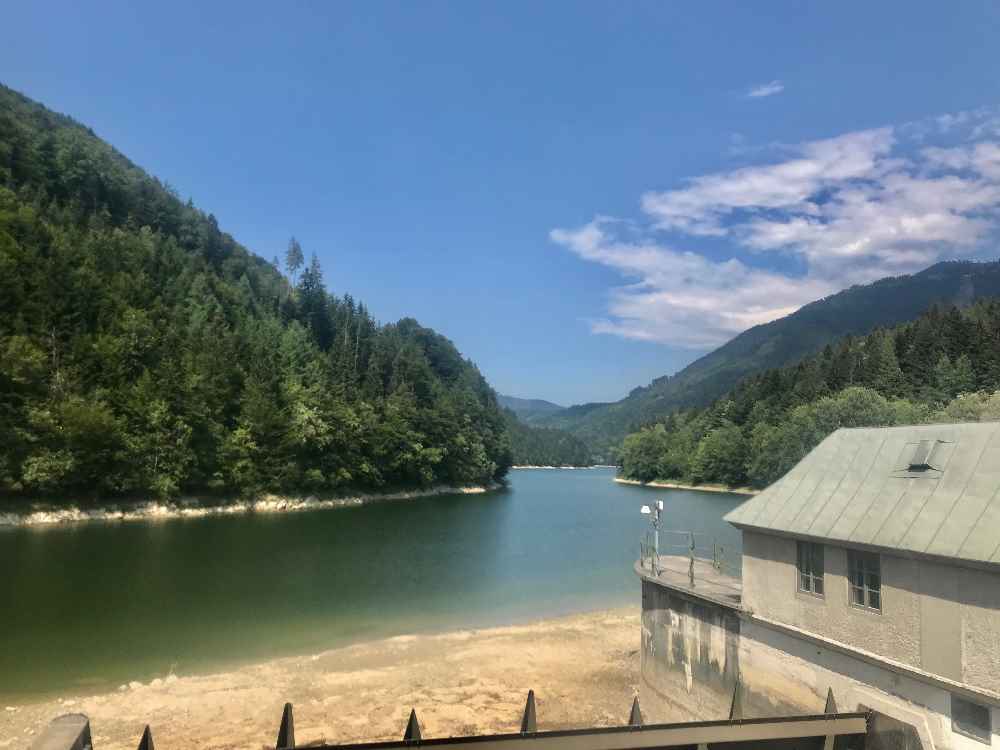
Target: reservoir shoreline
(692,487)
(42,515)
(583,668)
(211,594)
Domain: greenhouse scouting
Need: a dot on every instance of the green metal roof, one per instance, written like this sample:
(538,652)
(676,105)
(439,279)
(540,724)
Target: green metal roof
(862,486)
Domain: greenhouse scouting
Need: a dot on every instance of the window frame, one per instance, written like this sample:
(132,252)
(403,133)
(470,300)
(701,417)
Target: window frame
(865,567)
(810,557)
(987,738)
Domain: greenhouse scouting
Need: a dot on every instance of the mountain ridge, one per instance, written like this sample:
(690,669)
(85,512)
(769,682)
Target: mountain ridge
(851,312)
(528,409)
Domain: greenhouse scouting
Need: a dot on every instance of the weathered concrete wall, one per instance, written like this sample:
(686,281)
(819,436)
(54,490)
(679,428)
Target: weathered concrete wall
(690,656)
(694,651)
(940,618)
(783,673)
(979,594)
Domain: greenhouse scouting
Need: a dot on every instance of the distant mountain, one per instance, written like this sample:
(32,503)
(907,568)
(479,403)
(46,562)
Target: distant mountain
(854,311)
(544,446)
(529,409)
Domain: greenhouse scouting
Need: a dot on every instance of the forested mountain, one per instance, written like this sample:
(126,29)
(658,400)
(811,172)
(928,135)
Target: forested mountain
(528,409)
(945,365)
(544,446)
(854,311)
(143,351)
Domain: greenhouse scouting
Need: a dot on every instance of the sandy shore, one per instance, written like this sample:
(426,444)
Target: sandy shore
(695,487)
(583,669)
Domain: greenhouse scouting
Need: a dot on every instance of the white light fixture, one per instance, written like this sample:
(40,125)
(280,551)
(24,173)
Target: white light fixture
(646,510)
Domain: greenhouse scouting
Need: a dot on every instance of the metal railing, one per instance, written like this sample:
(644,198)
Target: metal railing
(72,732)
(660,543)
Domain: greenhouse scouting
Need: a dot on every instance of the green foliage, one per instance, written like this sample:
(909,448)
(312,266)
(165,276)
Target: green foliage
(853,312)
(544,446)
(143,351)
(942,367)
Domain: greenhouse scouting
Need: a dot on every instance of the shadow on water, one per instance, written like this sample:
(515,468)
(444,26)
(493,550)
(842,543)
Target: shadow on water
(90,606)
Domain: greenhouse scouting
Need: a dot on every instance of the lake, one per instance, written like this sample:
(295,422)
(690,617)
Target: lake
(88,607)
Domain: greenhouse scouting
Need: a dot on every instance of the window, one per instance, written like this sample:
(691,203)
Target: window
(865,579)
(810,567)
(970,719)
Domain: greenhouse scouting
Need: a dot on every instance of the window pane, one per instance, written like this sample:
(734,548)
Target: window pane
(874,600)
(858,595)
(803,582)
(874,581)
(818,585)
(817,559)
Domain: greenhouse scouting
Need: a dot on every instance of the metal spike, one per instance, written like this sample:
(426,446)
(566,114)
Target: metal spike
(146,743)
(286,732)
(635,717)
(412,733)
(736,707)
(831,702)
(528,721)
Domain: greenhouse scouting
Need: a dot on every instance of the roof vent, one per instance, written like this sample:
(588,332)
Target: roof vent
(921,460)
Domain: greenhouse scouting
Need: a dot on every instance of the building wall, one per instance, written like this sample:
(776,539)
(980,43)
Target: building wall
(695,652)
(943,619)
(779,670)
(690,657)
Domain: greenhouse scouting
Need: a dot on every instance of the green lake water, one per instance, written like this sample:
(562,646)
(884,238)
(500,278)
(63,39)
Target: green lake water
(88,607)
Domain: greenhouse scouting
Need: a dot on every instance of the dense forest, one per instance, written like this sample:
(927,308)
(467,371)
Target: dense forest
(943,366)
(143,351)
(855,311)
(544,446)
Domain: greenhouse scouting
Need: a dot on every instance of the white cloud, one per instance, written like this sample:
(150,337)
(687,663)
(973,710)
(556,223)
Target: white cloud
(699,208)
(766,89)
(843,210)
(684,298)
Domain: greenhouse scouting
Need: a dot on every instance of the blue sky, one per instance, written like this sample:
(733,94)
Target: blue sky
(583,196)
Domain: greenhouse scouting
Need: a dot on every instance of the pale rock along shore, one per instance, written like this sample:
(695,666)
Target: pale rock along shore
(592,466)
(695,487)
(151,511)
(583,668)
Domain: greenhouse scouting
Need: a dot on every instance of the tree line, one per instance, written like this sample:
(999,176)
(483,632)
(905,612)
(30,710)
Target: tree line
(544,446)
(943,366)
(143,351)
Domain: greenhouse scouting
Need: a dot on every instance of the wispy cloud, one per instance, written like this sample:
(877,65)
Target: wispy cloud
(681,297)
(766,89)
(841,210)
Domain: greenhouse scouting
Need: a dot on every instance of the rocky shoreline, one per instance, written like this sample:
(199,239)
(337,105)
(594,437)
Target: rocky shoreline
(694,487)
(193,508)
(592,466)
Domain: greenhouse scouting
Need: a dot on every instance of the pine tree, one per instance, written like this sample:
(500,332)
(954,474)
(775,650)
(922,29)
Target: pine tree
(294,259)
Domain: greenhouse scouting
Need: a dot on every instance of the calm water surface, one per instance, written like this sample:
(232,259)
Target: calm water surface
(91,606)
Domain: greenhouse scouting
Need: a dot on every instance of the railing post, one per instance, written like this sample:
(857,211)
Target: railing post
(529,722)
(286,731)
(691,557)
(66,732)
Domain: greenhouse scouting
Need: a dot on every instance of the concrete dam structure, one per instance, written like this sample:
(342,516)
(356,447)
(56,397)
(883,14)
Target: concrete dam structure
(870,582)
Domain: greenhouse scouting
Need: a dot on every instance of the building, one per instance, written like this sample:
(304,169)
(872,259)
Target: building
(870,573)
